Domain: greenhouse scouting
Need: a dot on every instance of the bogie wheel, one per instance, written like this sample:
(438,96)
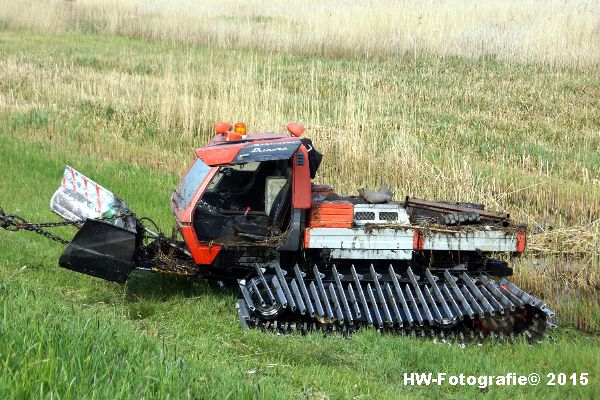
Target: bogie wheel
(267,309)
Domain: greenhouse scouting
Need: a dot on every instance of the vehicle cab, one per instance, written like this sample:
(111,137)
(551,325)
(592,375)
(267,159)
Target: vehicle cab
(246,190)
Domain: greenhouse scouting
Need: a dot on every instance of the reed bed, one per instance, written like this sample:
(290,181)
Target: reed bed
(577,242)
(519,139)
(556,32)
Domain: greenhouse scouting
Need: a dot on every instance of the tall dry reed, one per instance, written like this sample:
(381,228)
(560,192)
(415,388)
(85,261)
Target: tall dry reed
(556,32)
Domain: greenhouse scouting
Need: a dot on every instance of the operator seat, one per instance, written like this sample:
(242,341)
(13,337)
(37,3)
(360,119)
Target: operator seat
(261,228)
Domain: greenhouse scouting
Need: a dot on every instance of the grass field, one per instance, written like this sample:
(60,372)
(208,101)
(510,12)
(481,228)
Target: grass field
(127,111)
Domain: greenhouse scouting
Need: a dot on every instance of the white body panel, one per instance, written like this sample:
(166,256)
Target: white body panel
(371,254)
(483,240)
(362,239)
(397,243)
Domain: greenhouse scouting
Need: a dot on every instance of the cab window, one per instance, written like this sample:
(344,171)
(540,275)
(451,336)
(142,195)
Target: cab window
(190,183)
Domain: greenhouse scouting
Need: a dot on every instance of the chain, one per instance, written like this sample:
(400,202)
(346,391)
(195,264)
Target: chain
(15,223)
(47,234)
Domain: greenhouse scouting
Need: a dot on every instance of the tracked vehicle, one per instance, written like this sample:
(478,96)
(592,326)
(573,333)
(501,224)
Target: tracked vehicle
(304,257)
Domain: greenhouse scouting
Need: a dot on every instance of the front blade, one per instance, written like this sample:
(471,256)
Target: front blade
(102,250)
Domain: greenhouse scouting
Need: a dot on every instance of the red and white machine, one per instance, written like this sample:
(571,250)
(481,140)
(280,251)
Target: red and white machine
(305,257)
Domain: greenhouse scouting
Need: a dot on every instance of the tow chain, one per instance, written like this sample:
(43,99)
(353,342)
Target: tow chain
(15,223)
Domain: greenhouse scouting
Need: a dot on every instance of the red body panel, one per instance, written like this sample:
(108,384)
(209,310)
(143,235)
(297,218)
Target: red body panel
(331,214)
(418,240)
(521,242)
(218,155)
(301,190)
(201,253)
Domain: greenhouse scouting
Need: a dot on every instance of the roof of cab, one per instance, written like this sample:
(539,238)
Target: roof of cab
(259,146)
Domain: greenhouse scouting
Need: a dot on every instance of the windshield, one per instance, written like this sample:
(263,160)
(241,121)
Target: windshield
(190,183)
(229,171)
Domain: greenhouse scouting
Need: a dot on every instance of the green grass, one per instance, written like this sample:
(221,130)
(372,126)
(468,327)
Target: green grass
(99,103)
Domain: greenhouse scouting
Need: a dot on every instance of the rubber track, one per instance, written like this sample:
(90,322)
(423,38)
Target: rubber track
(436,304)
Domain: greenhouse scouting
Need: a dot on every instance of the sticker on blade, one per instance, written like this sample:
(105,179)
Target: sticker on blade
(79,198)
